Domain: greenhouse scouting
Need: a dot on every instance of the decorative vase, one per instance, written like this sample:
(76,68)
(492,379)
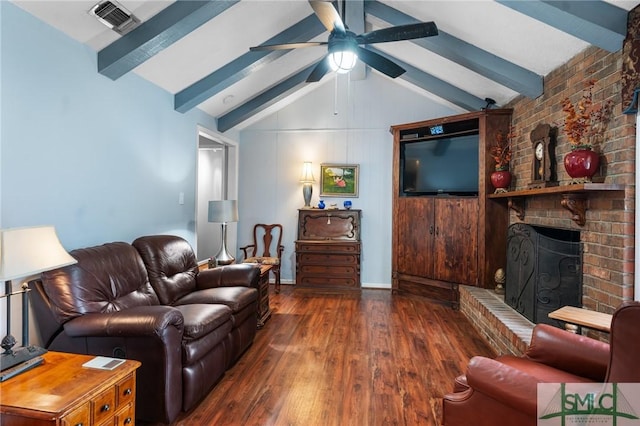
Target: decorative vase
(582,164)
(321,204)
(501,179)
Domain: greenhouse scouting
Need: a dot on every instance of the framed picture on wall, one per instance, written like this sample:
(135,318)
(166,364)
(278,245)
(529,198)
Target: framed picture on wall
(339,180)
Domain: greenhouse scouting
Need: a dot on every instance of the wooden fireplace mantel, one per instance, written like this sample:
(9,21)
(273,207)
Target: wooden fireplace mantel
(574,197)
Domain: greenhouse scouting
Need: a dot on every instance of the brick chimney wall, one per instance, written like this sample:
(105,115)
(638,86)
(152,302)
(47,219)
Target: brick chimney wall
(608,235)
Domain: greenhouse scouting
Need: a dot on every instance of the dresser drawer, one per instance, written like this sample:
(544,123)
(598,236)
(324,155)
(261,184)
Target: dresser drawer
(125,416)
(125,391)
(319,281)
(329,259)
(334,271)
(104,406)
(79,416)
(334,247)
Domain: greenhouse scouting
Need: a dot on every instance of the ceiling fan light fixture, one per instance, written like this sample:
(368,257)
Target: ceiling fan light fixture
(343,61)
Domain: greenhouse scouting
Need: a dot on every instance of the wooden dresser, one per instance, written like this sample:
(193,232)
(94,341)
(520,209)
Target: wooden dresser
(328,249)
(63,392)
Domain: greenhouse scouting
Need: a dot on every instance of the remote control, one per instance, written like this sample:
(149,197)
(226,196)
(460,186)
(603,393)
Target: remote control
(24,366)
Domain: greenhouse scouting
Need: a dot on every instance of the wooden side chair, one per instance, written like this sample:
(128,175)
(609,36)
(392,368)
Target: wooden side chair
(263,252)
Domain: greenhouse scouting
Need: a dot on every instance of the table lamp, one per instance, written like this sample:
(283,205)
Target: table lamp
(223,211)
(24,252)
(307,180)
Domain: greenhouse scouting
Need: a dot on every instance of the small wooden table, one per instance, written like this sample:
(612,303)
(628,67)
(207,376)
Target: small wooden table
(264,310)
(579,316)
(63,392)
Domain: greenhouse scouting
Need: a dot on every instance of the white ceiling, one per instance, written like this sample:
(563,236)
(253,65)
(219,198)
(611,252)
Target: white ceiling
(488,25)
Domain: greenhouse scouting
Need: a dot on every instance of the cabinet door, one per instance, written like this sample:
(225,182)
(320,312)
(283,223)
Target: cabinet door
(456,240)
(414,243)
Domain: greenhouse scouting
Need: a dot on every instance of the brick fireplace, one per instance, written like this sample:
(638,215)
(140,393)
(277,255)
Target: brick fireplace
(607,236)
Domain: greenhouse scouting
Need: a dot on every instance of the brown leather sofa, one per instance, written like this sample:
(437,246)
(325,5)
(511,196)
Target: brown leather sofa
(149,302)
(503,391)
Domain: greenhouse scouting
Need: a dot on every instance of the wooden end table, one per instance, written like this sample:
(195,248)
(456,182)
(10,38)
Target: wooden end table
(264,310)
(63,392)
(573,317)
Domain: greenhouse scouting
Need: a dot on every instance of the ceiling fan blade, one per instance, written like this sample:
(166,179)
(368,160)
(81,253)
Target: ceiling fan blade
(328,15)
(379,62)
(286,46)
(400,32)
(319,71)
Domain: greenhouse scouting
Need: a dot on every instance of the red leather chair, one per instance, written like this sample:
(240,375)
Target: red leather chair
(502,391)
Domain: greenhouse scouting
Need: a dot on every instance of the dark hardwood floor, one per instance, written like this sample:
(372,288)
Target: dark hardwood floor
(344,359)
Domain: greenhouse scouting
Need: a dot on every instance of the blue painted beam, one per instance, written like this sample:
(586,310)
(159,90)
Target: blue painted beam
(596,22)
(436,86)
(158,33)
(264,100)
(480,61)
(246,64)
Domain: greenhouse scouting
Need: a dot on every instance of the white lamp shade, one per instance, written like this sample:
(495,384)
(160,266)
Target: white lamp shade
(30,250)
(342,61)
(223,211)
(307,173)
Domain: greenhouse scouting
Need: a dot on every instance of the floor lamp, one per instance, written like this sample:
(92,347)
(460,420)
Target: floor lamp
(25,252)
(222,212)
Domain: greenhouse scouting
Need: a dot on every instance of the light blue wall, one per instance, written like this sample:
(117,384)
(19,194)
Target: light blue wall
(101,160)
(272,152)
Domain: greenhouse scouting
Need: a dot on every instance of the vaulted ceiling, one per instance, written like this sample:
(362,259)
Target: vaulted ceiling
(199,50)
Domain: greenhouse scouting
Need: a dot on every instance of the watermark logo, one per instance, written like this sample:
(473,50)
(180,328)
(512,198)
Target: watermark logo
(573,404)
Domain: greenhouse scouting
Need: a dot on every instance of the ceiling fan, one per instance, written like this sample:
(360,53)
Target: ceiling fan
(344,46)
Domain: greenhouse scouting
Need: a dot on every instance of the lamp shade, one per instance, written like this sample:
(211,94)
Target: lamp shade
(342,61)
(30,250)
(223,211)
(307,173)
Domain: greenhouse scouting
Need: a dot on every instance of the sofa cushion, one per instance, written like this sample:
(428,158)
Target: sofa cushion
(235,298)
(107,278)
(200,320)
(171,265)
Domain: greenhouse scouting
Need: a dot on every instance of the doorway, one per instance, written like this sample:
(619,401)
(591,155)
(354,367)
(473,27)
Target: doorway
(217,180)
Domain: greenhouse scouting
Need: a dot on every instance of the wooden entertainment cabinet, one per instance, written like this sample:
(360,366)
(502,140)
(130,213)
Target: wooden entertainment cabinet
(442,241)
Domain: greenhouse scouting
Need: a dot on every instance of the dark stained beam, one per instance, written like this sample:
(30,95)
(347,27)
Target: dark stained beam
(436,86)
(264,100)
(156,34)
(250,62)
(596,22)
(471,57)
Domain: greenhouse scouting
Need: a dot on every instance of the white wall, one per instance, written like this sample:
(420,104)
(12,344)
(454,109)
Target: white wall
(272,152)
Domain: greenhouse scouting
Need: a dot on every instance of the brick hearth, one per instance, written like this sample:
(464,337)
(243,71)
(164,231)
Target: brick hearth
(504,329)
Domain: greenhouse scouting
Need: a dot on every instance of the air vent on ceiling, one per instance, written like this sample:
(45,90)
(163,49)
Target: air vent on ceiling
(114,16)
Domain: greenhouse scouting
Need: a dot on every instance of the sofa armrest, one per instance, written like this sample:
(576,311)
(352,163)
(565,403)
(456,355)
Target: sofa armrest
(133,322)
(238,275)
(574,353)
(502,383)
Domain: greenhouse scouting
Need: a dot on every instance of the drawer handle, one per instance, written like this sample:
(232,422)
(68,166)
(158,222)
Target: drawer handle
(105,407)
(127,421)
(127,391)
(79,424)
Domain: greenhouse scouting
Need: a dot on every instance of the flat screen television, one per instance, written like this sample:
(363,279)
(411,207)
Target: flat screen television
(445,165)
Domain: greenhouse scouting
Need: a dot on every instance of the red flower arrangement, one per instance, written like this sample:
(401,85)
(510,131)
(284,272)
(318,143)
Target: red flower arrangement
(585,123)
(501,151)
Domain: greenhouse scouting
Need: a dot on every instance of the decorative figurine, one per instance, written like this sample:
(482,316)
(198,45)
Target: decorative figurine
(500,278)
